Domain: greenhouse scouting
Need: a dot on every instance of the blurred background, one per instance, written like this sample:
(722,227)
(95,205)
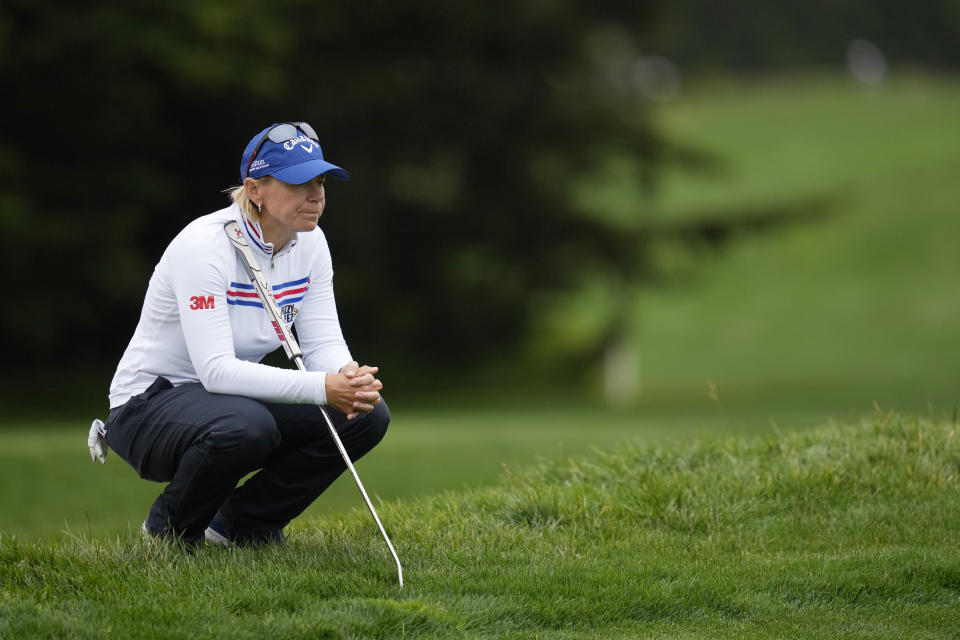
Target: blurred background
(570,224)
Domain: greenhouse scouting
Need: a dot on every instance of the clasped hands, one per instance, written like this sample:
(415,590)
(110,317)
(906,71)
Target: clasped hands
(354,390)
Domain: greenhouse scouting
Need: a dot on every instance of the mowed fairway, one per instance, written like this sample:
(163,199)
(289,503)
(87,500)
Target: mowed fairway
(857,305)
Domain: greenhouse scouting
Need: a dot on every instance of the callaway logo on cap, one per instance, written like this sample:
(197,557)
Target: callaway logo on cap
(288,151)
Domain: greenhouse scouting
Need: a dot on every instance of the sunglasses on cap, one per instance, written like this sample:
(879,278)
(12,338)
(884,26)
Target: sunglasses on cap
(281,133)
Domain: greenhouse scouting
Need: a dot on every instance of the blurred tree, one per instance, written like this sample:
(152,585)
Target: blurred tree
(753,35)
(116,136)
(464,126)
(485,140)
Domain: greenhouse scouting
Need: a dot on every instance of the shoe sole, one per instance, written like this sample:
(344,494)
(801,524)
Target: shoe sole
(213,537)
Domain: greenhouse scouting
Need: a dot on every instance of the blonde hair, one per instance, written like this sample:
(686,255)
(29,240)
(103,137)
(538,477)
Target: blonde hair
(239,195)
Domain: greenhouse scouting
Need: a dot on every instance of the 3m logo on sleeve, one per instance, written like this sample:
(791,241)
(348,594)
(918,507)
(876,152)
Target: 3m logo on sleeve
(201,302)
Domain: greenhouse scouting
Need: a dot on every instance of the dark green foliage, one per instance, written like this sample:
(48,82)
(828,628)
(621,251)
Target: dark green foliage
(462,126)
(752,35)
(476,132)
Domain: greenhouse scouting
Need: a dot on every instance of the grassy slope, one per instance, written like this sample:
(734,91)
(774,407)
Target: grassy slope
(48,483)
(840,532)
(831,315)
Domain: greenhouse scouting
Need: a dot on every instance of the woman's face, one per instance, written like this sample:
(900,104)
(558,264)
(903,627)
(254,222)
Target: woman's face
(291,208)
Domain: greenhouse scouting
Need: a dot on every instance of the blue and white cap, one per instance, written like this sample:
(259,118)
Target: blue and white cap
(290,152)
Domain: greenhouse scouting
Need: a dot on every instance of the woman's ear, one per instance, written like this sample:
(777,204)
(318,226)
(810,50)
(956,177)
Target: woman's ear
(253,191)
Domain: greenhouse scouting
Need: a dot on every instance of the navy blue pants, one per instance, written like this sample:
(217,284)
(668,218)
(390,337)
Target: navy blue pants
(204,443)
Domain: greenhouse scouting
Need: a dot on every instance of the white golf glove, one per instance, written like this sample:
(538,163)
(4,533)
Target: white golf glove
(97,441)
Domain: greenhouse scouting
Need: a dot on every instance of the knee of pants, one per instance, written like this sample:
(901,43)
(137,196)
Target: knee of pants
(250,434)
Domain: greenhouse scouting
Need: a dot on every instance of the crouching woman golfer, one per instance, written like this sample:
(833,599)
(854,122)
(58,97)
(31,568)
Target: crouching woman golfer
(190,403)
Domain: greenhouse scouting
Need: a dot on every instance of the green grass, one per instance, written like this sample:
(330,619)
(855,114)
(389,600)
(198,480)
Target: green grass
(48,483)
(856,307)
(856,304)
(823,319)
(839,532)
(791,137)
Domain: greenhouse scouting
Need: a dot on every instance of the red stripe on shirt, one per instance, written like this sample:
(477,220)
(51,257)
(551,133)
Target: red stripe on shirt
(289,292)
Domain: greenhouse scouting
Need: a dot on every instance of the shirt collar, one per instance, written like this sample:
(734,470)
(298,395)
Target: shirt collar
(254,235)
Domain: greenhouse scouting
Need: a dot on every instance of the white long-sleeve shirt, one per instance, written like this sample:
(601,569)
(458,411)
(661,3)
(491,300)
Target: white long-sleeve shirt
(202,320)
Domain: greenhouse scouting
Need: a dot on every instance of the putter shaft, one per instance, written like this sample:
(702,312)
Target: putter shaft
(292,349)
(346,458)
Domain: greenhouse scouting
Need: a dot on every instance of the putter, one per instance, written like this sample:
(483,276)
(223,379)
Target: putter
(293,352)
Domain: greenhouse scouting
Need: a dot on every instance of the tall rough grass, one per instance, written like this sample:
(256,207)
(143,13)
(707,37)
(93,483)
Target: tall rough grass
(847,531)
